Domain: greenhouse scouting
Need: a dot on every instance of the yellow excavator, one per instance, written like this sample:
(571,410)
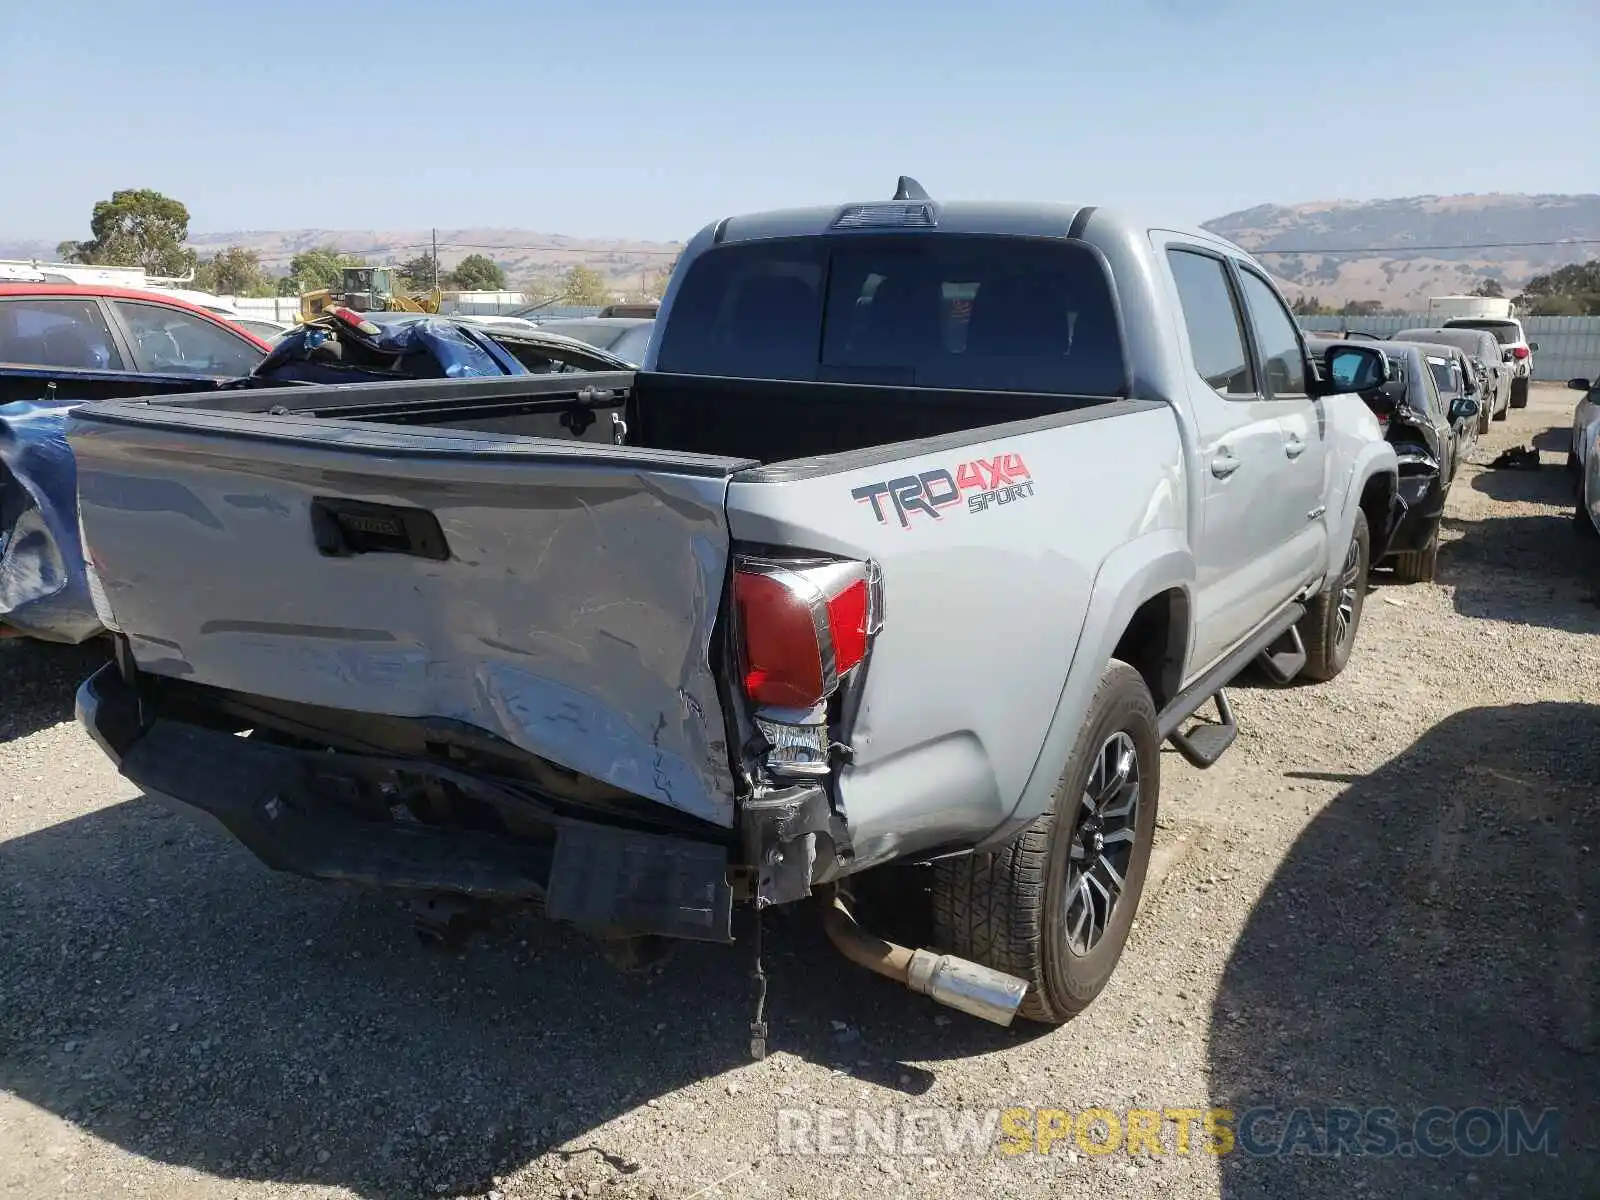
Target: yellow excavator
(368,289)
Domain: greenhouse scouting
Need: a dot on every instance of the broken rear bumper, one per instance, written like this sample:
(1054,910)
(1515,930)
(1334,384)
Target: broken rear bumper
(320,815)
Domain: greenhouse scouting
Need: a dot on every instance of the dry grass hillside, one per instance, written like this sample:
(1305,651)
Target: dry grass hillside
(1406,268)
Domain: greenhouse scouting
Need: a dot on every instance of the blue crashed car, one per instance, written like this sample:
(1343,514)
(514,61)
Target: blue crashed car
(44,587)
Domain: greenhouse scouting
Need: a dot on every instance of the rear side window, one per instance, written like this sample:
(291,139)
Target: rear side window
(1216,338)
(942,311)
(56,333)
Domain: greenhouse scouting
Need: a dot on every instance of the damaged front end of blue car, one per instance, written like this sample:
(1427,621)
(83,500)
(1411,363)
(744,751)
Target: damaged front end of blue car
(44,589)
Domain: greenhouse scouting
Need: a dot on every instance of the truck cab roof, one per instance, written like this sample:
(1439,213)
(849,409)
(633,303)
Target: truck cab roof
(997,218)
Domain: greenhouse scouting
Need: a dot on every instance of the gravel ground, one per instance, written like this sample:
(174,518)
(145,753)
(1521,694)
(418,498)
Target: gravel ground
(1383,896)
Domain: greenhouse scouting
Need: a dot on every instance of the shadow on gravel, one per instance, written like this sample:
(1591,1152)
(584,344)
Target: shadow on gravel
(38,681)
(1525,569)
(1429,941)
(167,993)
(1555,440)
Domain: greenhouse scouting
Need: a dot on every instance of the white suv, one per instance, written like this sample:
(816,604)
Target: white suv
(1514,349)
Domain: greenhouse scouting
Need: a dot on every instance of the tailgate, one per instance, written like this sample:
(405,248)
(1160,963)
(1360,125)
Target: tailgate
(558,595)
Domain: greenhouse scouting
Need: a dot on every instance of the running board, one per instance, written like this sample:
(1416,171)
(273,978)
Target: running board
(1189,701)
(1286,657)
(1205,743)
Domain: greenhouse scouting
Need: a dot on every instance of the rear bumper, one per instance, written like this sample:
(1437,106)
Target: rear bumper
(321,815)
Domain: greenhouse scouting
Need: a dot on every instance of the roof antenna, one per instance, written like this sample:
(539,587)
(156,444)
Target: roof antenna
(909,189)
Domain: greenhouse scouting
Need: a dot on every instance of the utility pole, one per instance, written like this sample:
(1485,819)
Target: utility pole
(436,260)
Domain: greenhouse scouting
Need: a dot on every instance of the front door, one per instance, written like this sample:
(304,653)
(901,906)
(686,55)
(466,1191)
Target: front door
(1302,493)
(1245,530)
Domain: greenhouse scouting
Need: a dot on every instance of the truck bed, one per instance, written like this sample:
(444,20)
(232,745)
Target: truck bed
(480,555)
(758,421)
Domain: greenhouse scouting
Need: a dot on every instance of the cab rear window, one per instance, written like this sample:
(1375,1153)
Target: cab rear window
(941,311)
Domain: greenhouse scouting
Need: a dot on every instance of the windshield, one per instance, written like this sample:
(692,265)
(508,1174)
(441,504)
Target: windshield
(1505,332)
(952,311)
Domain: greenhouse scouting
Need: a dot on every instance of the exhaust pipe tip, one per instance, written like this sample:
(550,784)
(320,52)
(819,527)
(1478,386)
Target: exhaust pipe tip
(970,987)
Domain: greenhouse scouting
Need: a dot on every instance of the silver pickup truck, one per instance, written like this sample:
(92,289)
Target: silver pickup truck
(922,527)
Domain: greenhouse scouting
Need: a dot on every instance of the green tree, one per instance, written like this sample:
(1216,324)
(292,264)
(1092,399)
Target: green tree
(477,273)
(317,268)
(1309,306)
(233,272)
(421,272)
(657,286)
(137,227)
(1488,287)
(1361,308)
(583,285)
(1569,291)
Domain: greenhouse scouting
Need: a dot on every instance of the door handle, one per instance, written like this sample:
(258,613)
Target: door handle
(1224,464)
(1294,447)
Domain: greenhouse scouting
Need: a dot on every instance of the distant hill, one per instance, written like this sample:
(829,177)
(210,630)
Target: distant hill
(1401,277)
(1395,274)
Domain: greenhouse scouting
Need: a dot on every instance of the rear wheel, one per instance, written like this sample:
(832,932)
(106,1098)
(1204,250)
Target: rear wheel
(1419,566)
(1054,906)
(1519,392)
(1329,627)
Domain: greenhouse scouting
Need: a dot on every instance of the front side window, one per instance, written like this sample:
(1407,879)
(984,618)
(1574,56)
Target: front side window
(69,333)
(1216,338)
(1443,377)
(940,310)
(172,342)
(1277,337)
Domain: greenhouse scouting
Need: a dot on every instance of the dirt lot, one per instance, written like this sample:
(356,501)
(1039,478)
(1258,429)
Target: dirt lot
(1386,895)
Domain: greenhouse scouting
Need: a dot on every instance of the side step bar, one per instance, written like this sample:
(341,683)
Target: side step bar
(1204,745)
(1205,742)
(1285,658)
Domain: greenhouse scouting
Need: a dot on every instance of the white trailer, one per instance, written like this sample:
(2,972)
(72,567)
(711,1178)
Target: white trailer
(1443,308)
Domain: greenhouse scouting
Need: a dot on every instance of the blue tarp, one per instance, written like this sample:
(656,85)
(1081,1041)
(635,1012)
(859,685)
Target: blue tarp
(406,346)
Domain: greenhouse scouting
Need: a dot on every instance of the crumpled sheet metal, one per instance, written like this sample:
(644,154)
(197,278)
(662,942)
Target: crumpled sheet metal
(44,590)
(460,355)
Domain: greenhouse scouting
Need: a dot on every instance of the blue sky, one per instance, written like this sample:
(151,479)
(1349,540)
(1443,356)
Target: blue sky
(622,118)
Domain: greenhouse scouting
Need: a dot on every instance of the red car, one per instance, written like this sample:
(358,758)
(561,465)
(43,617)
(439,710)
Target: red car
(92,342)
(62,345)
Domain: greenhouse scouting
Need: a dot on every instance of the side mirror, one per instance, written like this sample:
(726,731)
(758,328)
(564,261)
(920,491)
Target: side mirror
(1353,369)
(1464,408)
(1580,384)
(1532,346)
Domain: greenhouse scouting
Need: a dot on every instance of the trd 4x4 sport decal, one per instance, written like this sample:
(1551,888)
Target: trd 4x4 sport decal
(983,483)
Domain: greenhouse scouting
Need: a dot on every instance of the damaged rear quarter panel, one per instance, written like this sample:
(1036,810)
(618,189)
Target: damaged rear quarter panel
(573,617)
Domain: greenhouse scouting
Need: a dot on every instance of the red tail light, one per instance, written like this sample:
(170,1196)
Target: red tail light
(801,627)
(356,321)
(1519,352)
